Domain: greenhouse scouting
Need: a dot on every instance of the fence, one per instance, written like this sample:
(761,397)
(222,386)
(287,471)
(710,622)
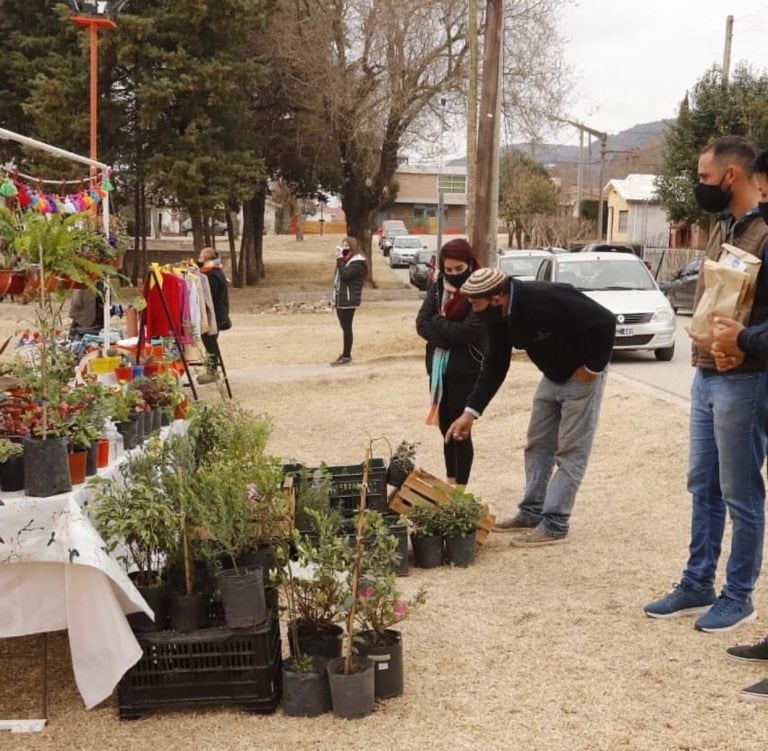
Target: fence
(671,259)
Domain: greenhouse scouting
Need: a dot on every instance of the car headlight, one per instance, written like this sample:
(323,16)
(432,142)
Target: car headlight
(663,315)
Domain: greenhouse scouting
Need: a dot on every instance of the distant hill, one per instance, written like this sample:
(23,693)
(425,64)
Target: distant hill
(636,138)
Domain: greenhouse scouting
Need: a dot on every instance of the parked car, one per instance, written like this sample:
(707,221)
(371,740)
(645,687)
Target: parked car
(612,248)
(421,272)
(388,236)
(622,283)
(522,264)
(682,286)
(219,227)
(404,248)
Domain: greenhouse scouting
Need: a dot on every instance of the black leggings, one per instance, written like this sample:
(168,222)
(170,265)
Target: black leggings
(345,319)
(458,454)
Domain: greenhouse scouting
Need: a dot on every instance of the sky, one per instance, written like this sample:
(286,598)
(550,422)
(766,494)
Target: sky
(633,60)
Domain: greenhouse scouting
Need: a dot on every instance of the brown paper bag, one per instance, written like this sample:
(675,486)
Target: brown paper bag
(729,288)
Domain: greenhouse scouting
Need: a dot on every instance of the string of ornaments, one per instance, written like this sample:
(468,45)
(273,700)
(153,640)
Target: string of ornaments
(32,199)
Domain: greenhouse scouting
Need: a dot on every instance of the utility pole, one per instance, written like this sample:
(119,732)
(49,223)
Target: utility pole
(727,51)
(472,118)
(603,138)
(488,135)
(440,192)
(579,177)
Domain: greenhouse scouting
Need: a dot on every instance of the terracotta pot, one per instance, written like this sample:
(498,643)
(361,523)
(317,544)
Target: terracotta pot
(6,276)
(77,466)
(18,282)
(124,373)
(180,411)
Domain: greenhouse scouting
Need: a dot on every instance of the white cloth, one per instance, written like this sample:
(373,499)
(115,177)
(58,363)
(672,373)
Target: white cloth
(55,573)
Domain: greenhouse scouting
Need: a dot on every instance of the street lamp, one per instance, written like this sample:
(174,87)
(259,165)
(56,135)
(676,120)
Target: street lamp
(95,15)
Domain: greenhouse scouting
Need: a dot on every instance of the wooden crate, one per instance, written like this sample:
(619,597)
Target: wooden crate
(422,487)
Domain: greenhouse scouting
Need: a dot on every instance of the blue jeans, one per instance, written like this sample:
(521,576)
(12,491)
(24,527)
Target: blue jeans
(727,452)
(560,432)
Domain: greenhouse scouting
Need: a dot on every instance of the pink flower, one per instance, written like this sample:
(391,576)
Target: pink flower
(366,594)
(401,608)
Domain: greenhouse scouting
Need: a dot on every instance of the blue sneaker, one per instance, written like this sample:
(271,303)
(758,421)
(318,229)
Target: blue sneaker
(682,600)
(725,615)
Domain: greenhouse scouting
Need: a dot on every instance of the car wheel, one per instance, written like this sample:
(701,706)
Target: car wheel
(665,354)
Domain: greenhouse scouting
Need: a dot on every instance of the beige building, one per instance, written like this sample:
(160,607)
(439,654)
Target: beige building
(634,212)
(417,199)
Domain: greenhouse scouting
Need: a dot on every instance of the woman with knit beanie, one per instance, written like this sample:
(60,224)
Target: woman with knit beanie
(455,343)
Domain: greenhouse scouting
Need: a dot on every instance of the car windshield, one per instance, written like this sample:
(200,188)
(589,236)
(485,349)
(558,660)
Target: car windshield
(407,242)
(522,266)
(423,256)
(605,275)
(396,232)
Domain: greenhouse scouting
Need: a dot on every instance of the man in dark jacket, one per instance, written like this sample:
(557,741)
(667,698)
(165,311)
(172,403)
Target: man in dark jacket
(569,337)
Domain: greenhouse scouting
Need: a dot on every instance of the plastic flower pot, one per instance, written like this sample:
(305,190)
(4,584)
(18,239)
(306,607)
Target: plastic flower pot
(352,696)
(387,656)
(461,550)
(77,466)
(102,456)
(306,694)
(104,365)
(46,466)
(188,612)
(124,373)
(427,551)
(12,474)
(243,597)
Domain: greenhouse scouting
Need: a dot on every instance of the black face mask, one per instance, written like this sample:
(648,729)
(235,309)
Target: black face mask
(492,314)
(200,264)
(712,198)
(456,280)
(763,207)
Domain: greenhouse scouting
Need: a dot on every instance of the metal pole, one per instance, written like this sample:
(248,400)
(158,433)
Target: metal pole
(94,50)
(603,140)
(727,50)
(440,196)
(579,176)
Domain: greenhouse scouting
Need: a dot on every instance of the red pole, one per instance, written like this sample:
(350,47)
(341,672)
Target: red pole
(94,45)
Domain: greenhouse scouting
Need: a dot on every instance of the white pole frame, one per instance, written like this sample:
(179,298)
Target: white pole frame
(9,135)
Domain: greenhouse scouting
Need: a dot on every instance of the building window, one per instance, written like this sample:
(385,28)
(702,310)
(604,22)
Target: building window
(422,211)
(623,221)
(456,184)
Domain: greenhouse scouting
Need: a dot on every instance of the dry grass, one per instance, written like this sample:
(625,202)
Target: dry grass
(538,649)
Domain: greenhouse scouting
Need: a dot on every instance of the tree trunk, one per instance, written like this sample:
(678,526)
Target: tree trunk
(359,226)
(260,202)
(144,254)
(472,117)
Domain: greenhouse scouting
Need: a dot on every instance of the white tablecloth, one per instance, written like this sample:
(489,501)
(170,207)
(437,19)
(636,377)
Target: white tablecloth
(55,573)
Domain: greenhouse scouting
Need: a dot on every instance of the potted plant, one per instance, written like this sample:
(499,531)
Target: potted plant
(402,463)
(86,408)
(11,465)
(426,535)
(380,606)
(245,509)
(134,513)
(188,605)
(8,255)
(313,496)
(459,520)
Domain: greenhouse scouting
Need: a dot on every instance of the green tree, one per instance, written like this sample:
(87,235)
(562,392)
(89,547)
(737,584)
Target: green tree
(710,110)
(526,192)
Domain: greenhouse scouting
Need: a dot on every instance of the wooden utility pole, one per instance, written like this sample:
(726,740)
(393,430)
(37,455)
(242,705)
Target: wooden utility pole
(474,60)
(727,51)
(488,134)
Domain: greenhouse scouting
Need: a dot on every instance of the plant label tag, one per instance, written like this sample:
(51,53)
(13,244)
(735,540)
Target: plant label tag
(382,666)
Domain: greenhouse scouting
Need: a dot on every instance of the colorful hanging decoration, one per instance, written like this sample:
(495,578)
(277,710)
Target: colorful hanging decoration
(36,199)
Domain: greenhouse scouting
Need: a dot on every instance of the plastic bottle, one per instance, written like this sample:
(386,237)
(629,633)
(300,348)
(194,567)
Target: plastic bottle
(116,441)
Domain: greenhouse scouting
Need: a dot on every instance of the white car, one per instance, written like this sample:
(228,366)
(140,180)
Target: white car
(403,250)
(622,283)
(522,264)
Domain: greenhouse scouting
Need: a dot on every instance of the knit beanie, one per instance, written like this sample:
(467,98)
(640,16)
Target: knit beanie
(483,282)
(460,250)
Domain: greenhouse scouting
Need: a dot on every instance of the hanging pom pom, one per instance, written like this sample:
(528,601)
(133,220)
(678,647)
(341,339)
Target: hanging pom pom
(107,185)
(8,189)
(69,206)
(53,207)
(24,198)
(81,204)
(95,197)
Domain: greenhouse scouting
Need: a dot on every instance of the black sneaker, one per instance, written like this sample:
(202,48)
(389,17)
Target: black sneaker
(341,360)
(757,692)
(757,652)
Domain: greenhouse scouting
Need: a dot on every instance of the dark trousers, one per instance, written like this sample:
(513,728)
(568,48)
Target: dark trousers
(345,320)
(211,344)
(458,454)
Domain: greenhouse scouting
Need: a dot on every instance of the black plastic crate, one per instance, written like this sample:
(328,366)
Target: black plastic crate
(211,666)
(346,481)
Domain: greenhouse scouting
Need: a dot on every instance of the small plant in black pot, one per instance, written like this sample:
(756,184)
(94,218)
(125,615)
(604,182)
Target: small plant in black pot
(459,520)
(11,465)
(402,463)
(426,535)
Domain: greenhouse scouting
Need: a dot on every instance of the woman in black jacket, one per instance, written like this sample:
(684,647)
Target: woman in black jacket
(351,270)
(455,342)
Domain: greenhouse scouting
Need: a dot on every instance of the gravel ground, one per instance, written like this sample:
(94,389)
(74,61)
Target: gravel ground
(529,649)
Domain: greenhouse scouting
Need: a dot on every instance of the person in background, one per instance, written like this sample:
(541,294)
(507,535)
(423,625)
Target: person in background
(351,270)
(569,337)
(210,264)
(728,418)
(86,310)
(455,339)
